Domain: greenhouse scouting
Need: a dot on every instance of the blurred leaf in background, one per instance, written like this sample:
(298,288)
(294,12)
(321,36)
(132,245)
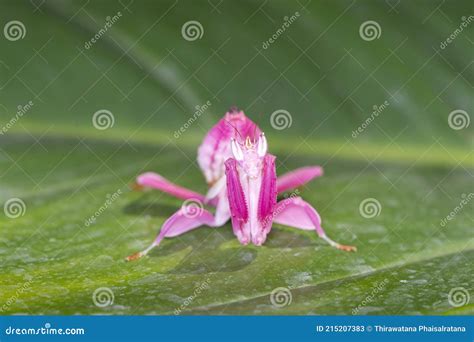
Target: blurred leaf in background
(378,93)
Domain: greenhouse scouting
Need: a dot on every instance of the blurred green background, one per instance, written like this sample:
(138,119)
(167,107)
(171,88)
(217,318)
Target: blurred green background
(322,69)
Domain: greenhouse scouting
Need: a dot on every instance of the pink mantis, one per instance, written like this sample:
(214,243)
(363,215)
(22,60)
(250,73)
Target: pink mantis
(243,186)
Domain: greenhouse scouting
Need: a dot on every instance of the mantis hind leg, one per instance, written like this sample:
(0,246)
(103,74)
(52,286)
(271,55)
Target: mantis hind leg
(297,213)
(298,177)
(155,181)
(182,221)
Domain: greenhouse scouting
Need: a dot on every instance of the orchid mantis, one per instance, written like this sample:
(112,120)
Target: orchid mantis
(243,187)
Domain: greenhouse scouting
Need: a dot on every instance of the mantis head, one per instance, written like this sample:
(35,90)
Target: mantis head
(250,155)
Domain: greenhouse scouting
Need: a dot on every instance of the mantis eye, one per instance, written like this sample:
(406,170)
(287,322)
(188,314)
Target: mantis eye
(236,150)
(262,146)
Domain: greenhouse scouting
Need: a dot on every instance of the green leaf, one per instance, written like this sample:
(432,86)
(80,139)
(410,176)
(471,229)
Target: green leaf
(414,257)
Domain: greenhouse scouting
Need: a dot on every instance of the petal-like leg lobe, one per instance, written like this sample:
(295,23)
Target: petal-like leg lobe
(155,181)
(298,177)
(297,213)
(180,222)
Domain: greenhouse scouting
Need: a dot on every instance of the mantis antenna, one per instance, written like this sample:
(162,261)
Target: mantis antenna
(235,128)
